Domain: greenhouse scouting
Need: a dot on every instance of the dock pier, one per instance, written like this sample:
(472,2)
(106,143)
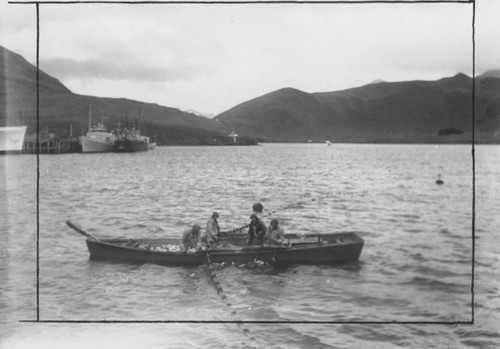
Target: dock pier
(50,144)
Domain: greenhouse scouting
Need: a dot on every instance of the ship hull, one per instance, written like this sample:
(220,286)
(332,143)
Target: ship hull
(130,146)
(97,143)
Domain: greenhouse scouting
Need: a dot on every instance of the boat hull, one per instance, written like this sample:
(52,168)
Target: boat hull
(91,146)
(97,142)
(321,249)
(130,146)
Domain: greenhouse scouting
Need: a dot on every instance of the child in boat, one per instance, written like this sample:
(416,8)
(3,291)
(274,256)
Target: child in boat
(275,233)
(256,231)
(191,238)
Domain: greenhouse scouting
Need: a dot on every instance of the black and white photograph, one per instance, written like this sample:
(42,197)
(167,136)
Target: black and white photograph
(249,174)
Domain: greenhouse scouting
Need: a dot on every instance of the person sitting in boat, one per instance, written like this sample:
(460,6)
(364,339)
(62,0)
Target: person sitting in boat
(256,231)
(191,238)
(257,210)
(212,231)
(275,233)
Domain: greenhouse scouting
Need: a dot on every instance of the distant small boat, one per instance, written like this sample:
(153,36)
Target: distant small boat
(328,143)
(12,139)
(97,139)
(234,136)
(151,142)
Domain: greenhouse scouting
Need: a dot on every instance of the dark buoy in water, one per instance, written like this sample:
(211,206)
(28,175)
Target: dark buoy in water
(439,181)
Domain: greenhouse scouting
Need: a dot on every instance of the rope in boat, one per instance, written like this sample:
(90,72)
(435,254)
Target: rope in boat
(303,202)
(215,282)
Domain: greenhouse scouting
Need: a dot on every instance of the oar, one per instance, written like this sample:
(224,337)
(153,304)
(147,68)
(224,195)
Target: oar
(80,230)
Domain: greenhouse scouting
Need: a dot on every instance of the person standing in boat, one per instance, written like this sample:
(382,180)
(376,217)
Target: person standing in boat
(191,238)
(256,231)
(212,230)
(275,233)
(257,210)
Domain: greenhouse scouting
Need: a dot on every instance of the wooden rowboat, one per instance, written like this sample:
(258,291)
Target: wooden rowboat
(331,248)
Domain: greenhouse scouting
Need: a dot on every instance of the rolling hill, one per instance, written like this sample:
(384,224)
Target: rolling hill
(59,108)
(392,112)
(407,112)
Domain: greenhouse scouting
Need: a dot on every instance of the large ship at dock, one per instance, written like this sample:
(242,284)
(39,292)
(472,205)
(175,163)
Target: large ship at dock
(98,139)
(130,140)
(11,139)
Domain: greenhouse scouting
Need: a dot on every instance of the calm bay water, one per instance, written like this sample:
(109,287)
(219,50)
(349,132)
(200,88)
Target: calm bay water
(416,265)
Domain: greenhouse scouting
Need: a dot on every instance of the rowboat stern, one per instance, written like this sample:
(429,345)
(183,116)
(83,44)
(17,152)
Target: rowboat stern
(128,251)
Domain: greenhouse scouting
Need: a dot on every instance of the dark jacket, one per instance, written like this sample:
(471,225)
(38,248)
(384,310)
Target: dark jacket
(256,232)
(190,240)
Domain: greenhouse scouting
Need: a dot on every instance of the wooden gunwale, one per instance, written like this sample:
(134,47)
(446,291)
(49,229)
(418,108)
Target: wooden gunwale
(337,247)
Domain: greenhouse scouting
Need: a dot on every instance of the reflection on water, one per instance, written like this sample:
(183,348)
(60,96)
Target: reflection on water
(415,266)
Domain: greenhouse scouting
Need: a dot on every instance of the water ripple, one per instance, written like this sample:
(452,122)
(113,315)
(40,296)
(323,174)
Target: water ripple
(415,266)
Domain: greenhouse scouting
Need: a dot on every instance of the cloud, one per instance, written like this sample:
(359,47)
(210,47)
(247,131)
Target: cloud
(225,54)
(487,29)
(68,68)
(16,19)
(18,29)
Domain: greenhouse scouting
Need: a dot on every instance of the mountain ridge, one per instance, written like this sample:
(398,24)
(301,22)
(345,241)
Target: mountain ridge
(59,108)
(437,111)
(409,112)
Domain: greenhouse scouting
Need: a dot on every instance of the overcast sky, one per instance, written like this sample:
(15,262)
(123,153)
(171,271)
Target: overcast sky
(210,58)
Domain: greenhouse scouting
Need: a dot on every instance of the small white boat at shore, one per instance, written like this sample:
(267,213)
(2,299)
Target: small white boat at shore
(151,142)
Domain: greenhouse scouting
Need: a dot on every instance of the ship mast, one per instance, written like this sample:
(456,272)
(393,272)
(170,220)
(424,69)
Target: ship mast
(90,116)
